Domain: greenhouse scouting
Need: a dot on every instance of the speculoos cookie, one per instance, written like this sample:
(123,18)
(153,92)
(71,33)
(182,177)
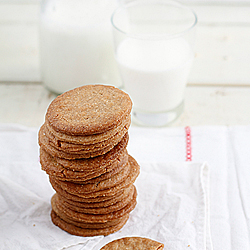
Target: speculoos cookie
(75,188)
(87,110)
(117,196)
(92,218)
(53,168)
(92,225)
(132,243)
(98,210)
(79,148)
(87,139)
(131,177)
(56,152)
(98,204)
(95,163)
(86,232)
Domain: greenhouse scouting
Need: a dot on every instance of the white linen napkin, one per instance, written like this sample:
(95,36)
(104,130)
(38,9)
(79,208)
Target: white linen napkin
(173,206)
(25,222)
(25,195)
(173,198)
(226,149)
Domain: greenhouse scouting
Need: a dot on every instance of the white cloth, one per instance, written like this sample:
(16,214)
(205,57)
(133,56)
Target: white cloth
(227,151)
(165,185)
(25,197)
(173,206)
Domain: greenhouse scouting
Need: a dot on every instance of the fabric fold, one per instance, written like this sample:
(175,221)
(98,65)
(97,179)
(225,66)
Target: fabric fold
(25,221)
(173,206)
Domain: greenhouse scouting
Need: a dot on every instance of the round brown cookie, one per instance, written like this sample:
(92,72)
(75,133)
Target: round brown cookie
(133,243)
(117,198)
(58,137)
(101,161)
(90,109)
(98,210)
(75,188)
(79,148)
(85,179)
(110,199)
(53,168)
(134,172)
(44,143)
(72,197)
(95,177)
(95,180)
(92,225)
(70,228)
(95,163)
(92,218)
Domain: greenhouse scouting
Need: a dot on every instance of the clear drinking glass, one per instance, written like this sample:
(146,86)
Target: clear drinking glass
(154,49)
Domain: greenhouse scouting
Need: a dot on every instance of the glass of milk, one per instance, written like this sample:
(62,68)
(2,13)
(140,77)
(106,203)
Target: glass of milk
(77,44)
(154,42)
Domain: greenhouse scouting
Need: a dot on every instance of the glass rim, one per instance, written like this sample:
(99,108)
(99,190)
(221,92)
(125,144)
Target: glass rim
(158,35)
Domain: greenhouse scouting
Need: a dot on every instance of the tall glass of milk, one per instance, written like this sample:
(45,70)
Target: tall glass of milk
(76,44)
(154,42)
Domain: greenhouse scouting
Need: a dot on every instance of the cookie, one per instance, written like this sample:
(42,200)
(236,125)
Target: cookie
(85,232)
(134,172)
(87,139)
(90,109)
(106,203)
(93,225)
(133,243)
(78,198)
(114,180)
(92,218)
(46,145)
(92,201)
(98,210)
(79,148)
(110,171)
(92,164)
(49,164)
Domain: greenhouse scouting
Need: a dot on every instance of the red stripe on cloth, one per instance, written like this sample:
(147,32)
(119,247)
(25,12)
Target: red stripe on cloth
(188,144)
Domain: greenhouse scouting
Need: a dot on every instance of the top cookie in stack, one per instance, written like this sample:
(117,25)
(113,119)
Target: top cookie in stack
(86,122)
(83,150)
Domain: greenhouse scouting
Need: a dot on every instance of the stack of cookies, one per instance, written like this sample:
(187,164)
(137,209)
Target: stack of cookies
(83,150)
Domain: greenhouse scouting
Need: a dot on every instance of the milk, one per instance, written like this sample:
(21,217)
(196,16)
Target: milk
(76,44)
(155,72)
